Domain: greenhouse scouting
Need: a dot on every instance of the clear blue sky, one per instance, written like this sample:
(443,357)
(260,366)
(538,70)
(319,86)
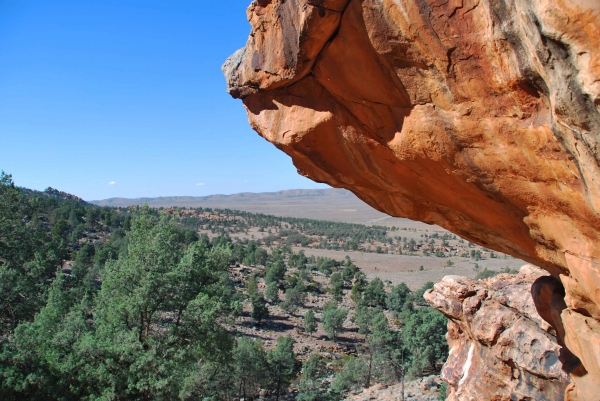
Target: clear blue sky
(129,93)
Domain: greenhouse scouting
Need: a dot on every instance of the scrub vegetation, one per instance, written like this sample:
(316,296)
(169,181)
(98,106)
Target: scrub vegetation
(99,303)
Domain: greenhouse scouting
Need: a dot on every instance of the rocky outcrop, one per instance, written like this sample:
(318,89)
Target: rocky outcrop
(423,389)
(500,348)
(55,193)
(481,116)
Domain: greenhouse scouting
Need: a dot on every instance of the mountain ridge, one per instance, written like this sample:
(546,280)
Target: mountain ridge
(289,193)
(321,204)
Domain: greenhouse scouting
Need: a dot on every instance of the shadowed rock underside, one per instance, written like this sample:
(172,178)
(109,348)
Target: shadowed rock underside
(481,116)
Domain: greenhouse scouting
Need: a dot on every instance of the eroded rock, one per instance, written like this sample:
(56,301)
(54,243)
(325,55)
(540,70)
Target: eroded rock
(481,116)
(500,348)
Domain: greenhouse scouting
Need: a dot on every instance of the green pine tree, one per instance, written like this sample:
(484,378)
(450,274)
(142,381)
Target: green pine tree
(282,363)
(259,308)
(272,292)
(310,324)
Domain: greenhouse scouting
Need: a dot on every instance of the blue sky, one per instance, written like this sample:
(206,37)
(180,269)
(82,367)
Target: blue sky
(126,98)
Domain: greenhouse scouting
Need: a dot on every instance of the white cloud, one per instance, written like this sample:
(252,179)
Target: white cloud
(112,183)
(199,184)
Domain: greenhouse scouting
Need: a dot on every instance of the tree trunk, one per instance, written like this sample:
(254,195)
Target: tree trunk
(402,387)
(403,372)
(278,387)
(369,375)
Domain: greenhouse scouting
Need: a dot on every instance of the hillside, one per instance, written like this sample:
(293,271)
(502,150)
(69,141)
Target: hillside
(110,290)
(336,296)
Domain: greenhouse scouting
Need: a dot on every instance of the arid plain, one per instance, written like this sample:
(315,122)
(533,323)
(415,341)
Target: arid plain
(340,205)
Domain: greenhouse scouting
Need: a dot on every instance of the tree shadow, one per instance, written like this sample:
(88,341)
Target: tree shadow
(279,323)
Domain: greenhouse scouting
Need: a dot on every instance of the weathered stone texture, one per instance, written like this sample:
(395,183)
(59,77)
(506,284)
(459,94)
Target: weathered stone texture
(500,347)
(481,116)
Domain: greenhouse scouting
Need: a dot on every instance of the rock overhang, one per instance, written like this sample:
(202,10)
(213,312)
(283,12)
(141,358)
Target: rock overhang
(479,116)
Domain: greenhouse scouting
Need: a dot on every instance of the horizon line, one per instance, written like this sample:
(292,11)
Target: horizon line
(206,196)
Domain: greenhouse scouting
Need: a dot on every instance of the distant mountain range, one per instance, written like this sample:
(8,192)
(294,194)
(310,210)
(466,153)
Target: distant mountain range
(322,204)
(243,197)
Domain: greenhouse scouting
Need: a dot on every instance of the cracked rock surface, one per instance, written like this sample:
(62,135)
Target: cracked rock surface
(481,116)
(500,347)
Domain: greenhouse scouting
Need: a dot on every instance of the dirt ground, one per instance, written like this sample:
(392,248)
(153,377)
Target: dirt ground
(405,268)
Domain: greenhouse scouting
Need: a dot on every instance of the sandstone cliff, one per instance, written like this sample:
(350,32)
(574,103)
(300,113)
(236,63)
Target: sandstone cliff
(500,348)
(481,116)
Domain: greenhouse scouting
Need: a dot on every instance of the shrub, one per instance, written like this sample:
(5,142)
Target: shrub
(294,299)
(424,334)
(259,308)
(353,376)
(442,393)
(272,292)
(333,320)
(397,297)
(313,373)
(374,294)
(310,325)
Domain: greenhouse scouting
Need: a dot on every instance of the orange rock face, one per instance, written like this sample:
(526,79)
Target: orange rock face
(500,348)
(481,116)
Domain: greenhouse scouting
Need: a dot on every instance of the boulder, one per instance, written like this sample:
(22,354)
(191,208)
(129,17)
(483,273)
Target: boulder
(500,347)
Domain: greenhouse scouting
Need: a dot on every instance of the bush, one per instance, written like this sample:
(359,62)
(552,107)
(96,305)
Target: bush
(310,325)
(333,320)
(294,299)
(486,274)
(374,294)
(259,308)
(272,292)
(326,265)
(442,394)
(491,273)
(397,297)
(311,380)
(353,376)
(425,338)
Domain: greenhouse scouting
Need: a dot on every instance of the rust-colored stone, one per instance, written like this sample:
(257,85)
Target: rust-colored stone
(500,348)
(481,116)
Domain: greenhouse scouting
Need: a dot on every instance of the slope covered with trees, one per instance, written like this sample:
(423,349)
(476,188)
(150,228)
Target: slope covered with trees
(107,304)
